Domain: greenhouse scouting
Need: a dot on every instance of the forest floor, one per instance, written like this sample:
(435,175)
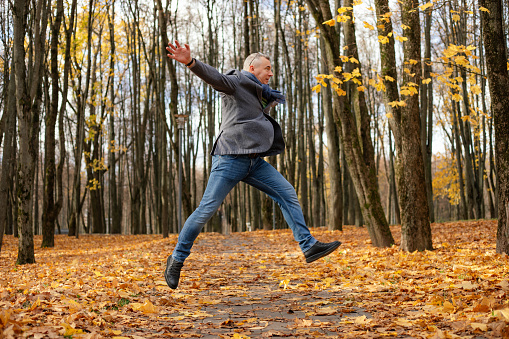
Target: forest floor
(257,284)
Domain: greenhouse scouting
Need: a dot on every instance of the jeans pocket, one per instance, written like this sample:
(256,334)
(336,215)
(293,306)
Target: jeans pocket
(216,159)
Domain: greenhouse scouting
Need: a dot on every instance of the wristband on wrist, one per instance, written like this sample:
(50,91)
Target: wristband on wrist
(190,63)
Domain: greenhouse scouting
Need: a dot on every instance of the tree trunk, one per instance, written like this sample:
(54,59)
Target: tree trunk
(405,124)
(335,200)
(9,154)
(498,78)
(301,136)
(116,212)
(50,210)
(359,158)
(28,103)
(427,113)
(82,95)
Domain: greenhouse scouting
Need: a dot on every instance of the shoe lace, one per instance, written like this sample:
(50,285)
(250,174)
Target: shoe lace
(176,267)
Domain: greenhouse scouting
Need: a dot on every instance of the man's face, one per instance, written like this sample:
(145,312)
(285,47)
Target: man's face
(262,70)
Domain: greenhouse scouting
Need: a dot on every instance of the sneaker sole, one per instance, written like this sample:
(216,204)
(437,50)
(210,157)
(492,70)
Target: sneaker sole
(322,254)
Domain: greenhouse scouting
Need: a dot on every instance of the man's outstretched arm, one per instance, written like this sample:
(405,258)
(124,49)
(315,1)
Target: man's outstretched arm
(207,73)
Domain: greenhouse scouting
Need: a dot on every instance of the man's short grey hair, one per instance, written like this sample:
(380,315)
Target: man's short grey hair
(253,58)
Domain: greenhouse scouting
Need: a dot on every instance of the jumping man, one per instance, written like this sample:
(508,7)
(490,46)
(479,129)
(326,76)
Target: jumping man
(247,135)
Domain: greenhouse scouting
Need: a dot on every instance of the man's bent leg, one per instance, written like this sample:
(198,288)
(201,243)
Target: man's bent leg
(225,174)
(267,179)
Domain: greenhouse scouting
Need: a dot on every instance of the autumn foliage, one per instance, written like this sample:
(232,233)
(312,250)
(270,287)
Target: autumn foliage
(257,284)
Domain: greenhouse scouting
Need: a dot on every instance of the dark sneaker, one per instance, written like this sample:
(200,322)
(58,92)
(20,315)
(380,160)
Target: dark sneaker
(172,272)
(320,249)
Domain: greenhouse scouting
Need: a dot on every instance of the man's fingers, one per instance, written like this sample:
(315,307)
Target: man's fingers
(171,46)
(187,47)
(177,43)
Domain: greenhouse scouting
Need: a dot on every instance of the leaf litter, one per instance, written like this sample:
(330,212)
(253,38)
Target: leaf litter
(257,284)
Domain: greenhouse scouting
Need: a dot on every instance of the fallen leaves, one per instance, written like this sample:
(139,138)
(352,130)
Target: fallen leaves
(257,284)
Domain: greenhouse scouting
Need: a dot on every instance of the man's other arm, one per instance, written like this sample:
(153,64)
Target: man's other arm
(220,82)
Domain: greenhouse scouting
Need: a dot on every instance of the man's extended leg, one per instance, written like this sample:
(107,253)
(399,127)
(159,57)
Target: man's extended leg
(267,179)
(226,172)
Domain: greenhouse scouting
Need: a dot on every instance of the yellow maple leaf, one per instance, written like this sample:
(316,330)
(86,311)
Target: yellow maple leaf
(146,307)
(68,331)
(425,6)
(457,97)
(317,88)
(388,78)
(484,9)
(456,18)
(342,10)
(475,89)
(361,88)
(340,92)
(343,18)
(330,22)
(401,103)
(426,81)
(368,26)
(352,59)
(383,39)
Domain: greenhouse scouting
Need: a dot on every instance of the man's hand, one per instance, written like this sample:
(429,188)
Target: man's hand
(179,53)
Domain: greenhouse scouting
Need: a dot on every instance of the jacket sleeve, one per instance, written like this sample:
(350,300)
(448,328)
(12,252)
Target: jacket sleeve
(220,82)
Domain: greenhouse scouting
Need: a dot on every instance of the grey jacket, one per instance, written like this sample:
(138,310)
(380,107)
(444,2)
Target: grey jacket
(246,127)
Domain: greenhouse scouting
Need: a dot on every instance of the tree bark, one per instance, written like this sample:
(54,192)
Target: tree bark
(427,113)
(50,209)
(28,103)
(405,124)
(9,154)
(498,78)
(362,169)
(116,211)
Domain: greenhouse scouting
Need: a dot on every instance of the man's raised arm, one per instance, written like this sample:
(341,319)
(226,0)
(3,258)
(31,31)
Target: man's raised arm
(207,73)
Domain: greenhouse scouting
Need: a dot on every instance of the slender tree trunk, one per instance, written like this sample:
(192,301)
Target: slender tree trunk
(9,154)
(335,200)
(498,78)
(82,95)
(427,113)
(116,212)
(50,210)
(301,137)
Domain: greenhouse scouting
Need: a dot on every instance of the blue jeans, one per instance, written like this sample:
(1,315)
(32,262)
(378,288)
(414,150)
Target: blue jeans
(226,172)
